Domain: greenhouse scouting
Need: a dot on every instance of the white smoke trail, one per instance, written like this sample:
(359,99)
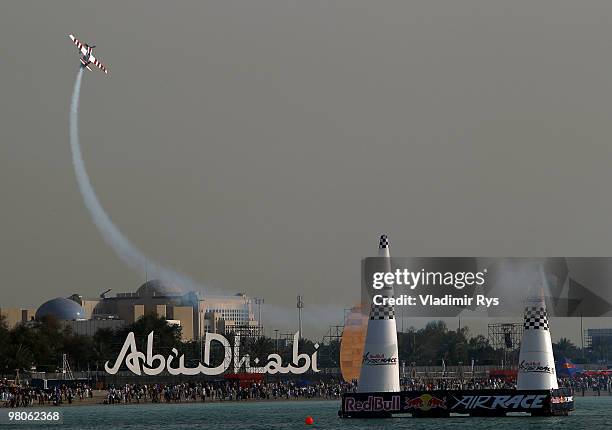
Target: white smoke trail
(124,249)
(134,258)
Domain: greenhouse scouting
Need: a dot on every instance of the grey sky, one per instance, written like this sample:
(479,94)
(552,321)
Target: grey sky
(262,146)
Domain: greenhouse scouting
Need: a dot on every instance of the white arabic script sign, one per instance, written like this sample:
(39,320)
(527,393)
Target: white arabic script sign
(149,364)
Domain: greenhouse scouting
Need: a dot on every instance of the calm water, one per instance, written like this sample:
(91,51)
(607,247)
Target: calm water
(591,413)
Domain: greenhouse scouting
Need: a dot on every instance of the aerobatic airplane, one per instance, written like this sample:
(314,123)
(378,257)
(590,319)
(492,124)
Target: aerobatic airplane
(87,57)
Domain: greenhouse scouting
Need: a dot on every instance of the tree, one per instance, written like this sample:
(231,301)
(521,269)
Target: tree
(259,347)
(104,345)
(166,336)
(481,351)
(565,349)
(5,342)
(435,342)
(80,350)
(19,358)
(42,340)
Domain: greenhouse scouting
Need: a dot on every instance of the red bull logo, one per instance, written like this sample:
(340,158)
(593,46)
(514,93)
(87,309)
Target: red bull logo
(425,402)
(372,404)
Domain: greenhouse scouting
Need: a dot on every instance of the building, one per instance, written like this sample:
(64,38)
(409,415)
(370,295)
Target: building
(153,297)
(228,314)
(194,313)
(88,305)
(62,309)
(14,316)
(598,336)
(90,327)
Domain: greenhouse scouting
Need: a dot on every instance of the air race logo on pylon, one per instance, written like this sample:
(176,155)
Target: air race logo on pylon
(378,359)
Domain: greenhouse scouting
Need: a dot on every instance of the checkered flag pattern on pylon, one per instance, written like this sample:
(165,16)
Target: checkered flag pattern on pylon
(384,312)
(384,242)
(536,318)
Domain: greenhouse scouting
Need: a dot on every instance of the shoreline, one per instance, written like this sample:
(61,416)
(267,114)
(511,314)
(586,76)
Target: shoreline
(100,397)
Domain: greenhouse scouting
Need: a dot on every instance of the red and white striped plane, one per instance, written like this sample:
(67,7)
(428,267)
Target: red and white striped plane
(87,57)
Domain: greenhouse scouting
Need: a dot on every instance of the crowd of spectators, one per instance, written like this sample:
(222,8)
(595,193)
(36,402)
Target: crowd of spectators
(419,384)
(19,395)
(16,395)
(225,391)
(593,385)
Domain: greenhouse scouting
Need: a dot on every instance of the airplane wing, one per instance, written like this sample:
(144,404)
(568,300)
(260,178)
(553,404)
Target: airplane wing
(78,44)
(95,61)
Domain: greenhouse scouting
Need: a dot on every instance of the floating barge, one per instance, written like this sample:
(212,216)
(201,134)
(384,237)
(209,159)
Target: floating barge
(447,403)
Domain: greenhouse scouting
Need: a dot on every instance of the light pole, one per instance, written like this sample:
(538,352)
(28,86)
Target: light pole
(276,332)
(200,324)
(581,336)
(300,306)
(258,302)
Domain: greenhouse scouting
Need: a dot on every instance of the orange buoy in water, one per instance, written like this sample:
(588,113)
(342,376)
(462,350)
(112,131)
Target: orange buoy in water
(309,421)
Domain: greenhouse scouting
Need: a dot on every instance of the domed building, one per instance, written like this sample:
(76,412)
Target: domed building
(157,287)
(153,297)
(194,313)
(62,309)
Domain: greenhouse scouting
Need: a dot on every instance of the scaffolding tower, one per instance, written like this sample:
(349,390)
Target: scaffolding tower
(506,337)
(66,371)
(334,335)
